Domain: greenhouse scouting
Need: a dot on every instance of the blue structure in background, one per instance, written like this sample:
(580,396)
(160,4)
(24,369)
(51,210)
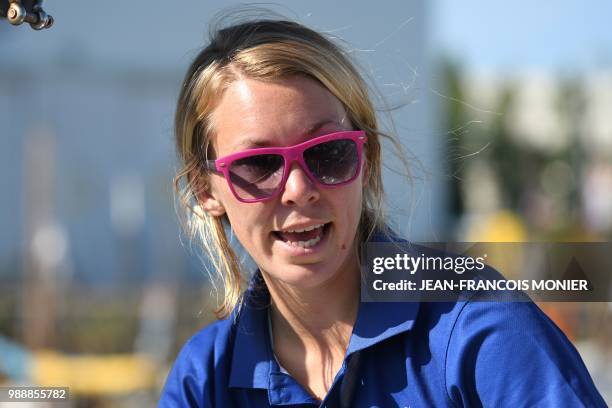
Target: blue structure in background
(99,95)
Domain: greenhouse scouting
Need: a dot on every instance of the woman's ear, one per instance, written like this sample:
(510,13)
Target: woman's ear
(207,199)
(210,204)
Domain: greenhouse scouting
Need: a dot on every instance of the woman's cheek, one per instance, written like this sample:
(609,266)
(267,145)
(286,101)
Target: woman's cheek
(248,226)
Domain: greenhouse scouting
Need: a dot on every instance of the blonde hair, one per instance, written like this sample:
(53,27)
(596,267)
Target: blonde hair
(264,50)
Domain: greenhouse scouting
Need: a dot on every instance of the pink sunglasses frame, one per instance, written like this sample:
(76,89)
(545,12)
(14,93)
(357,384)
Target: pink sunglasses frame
(290,154)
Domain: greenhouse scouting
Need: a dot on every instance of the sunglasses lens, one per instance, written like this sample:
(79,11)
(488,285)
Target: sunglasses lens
(256,176)
(333,162)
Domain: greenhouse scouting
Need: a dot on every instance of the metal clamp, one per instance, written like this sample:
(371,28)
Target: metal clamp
(38,19)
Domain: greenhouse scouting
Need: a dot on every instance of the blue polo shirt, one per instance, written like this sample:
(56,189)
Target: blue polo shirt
(459,354)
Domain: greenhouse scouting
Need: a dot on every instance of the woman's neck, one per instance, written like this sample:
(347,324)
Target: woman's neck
(311,327)
(323,315)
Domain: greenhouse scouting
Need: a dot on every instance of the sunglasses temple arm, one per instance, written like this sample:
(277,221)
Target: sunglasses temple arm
(210,165)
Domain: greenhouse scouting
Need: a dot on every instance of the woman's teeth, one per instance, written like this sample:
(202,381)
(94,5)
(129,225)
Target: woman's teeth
(304,238)
(305,244)
(307,228)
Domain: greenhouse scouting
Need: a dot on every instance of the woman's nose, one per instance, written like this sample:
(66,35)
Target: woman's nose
(299,189)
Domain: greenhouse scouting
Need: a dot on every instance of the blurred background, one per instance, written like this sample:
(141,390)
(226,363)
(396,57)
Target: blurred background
(505,110)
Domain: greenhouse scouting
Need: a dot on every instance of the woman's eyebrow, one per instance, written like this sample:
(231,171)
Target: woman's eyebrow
(318,125)
(254,143)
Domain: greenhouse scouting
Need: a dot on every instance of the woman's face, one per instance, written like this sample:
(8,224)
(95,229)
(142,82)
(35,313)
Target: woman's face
(283,113)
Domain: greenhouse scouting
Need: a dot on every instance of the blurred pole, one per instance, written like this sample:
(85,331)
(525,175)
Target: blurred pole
(43,242)
(158,308)
(127,216)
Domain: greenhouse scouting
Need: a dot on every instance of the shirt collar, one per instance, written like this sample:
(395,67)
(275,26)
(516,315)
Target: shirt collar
(252,358)
(253,362)
(377,321)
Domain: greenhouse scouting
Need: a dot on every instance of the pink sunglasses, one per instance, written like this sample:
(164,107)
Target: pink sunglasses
(255,175)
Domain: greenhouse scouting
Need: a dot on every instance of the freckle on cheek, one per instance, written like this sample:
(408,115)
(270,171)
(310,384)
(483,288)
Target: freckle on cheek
(343,246)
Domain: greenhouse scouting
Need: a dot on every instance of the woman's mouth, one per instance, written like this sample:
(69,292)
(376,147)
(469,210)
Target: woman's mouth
(306,237)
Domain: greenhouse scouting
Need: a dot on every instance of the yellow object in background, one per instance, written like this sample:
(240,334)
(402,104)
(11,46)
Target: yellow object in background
(94,374)
(500,226)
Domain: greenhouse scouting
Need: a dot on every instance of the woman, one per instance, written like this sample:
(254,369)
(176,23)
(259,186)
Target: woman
(279,140)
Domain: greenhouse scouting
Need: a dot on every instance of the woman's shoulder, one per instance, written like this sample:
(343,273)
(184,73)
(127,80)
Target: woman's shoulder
(202,363)
(540,364)
(214,337)
(209,345)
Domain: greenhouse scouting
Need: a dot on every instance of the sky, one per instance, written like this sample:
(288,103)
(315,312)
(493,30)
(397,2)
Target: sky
(561,35)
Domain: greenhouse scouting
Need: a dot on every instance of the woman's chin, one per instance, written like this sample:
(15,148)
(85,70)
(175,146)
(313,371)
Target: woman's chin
(307,268)
(301,277)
